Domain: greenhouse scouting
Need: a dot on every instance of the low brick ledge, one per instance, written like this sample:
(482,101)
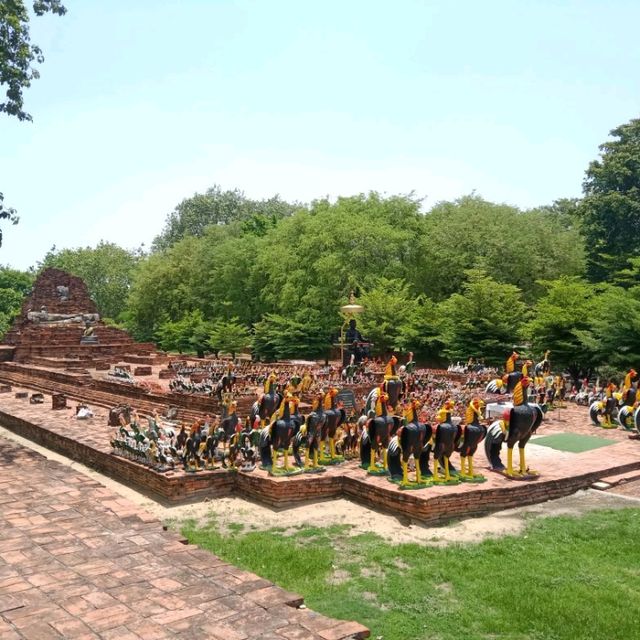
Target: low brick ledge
(288,492)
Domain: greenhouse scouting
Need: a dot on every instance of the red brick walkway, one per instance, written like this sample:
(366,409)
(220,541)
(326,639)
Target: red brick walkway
(79,562)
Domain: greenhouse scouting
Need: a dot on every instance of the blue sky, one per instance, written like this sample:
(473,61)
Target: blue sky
(142,103)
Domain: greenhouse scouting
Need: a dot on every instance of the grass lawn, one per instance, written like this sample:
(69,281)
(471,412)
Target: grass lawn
(564,578)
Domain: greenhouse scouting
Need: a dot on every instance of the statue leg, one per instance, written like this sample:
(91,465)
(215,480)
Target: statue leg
(332,448)
(308,457)
(384,459)
(286,459)
(405,473)
(463,460)
(447,477)
(510,471)
(372,463)
(470,467)
(523,465)
(436,468)
(418,474)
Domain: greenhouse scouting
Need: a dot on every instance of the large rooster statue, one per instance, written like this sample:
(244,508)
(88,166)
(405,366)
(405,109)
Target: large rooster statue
(410,439)
(518,424)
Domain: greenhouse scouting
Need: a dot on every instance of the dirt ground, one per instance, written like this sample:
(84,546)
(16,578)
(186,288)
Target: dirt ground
(232,510)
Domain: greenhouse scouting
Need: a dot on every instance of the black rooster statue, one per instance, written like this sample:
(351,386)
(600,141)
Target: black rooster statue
(308,436)
(627,414)
(334,416)
(377,433)
(410,440)
(473,432)
(446,440)
(278,436)
(518,424)
(268,403)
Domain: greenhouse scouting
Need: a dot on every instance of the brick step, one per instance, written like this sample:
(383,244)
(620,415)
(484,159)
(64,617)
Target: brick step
(621,478)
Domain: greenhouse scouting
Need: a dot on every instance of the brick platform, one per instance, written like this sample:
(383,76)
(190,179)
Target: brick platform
(562,473)
(78,561)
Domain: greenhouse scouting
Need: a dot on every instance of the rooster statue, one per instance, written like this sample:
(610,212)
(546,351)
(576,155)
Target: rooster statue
(628,415)
(410,440)
(518,424)
(473,432)
(446,441)
(377,433)
(335,416)
(308,436)
(278,436)
(268,402)
(393,386)
(605,407)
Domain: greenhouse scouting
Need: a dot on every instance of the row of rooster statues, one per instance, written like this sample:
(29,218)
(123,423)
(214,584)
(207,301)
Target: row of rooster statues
(618,407)
(390,438)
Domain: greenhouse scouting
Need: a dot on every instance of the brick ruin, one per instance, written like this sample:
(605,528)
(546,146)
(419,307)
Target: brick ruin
(58,343)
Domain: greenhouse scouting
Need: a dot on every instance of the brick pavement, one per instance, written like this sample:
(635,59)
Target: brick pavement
(79,562)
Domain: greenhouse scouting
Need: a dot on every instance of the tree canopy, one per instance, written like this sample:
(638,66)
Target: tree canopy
(610,210)
(217,207)
(17,58)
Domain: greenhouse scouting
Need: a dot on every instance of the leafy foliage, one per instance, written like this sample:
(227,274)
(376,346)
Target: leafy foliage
(389,310)
(562,322)
(189,333)
(514,247)
(610,211)
(217,207)
(483,321)
(14,285)
(616,327)
(280,337)
(229,336)
(17,54)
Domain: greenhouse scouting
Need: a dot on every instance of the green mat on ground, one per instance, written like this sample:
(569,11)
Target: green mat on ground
(573,442)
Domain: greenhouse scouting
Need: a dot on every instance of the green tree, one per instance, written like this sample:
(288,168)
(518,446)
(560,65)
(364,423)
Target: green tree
(164,288)
(616,327)
(18,281)
(420,332)
(279,337)
(388,310)
(17,57)
(313,259)
(14,285)
(562,321)
(229,336)
(186,335)
(217,207)
(515,247)
(107,270)
(610,210)
(484,320)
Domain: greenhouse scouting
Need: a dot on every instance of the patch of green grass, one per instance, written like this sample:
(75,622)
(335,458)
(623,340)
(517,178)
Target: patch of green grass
(562,579)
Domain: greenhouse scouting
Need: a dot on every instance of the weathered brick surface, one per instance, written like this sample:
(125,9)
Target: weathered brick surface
(77,561)
(58,345)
